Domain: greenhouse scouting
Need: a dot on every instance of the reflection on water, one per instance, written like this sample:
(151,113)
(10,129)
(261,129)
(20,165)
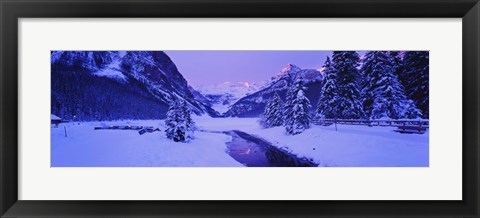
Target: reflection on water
(254,152)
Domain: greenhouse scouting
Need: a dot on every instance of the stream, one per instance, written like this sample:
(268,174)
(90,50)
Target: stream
(255,152)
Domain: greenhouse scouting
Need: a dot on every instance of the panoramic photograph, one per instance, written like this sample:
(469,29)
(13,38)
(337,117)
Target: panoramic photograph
(239,108)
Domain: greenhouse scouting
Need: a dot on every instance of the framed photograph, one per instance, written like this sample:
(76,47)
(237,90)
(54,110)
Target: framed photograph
(105,104)
(226,108)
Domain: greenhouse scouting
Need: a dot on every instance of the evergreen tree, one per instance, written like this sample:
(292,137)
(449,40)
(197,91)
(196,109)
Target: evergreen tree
(288,105)
(411,111)
(415,78)
(397,63)
(383,94)
(179,124)
(273,112)
(80,96)
(327,103)
(296,119)
(173,123)
(349,105)
(189,123)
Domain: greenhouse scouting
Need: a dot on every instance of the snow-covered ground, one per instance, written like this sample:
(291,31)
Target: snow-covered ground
(86,147)
(350,146)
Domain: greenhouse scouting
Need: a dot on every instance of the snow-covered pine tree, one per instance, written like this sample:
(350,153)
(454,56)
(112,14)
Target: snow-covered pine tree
(273,114)
(349,104)
(326,107)
(397,63)
(189,124)
(411,111)
(288,105)
(174,129)
(297,119)
(369,62)
(415,78)
(384,96)
(179,124)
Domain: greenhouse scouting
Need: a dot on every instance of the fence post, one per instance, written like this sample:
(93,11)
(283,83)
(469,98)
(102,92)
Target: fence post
(65,128)
(335,124)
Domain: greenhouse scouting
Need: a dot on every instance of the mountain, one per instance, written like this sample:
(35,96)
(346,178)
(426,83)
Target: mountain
(253,105)
(223,95)
(110,85)
(200,97)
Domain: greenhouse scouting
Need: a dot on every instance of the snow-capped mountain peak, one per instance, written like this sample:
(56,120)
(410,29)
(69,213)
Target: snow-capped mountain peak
(253,104)
(223,95)
(290,68)
(293,72)
(236,89)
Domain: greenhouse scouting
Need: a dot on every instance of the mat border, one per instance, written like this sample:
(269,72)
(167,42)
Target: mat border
(12,10)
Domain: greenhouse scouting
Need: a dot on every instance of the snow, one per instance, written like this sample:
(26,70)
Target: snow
(355,146)
(236,89)
(86,147)
(298,73)
(220,107)
(55,56)
(350,146)
(53,117)
(111,73)
(290,68)
(113,69)
(229,92)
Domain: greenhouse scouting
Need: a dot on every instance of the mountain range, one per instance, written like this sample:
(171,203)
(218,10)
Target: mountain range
(112,85)
(109,85)
(223,95)
(253,105)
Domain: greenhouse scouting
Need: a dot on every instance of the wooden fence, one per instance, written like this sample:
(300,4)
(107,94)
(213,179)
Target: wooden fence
(383,122)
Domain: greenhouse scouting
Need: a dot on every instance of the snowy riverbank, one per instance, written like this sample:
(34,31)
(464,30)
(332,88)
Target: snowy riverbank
(350,146)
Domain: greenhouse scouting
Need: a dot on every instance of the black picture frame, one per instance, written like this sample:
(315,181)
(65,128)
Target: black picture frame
(12,10)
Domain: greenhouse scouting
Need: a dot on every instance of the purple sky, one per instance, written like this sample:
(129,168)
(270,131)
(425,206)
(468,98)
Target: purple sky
(211,67)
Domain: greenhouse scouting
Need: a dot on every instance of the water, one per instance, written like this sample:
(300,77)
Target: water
(254,152)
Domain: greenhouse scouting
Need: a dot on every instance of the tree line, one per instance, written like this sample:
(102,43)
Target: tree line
(384,84)
(77,95)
